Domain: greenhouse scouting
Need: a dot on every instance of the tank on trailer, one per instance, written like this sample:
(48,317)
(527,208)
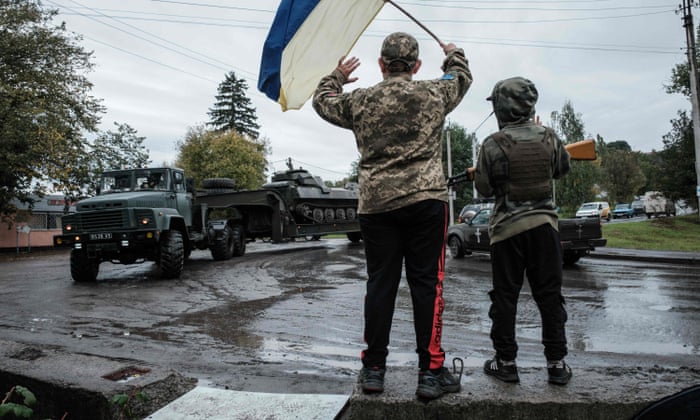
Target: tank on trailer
(311,200)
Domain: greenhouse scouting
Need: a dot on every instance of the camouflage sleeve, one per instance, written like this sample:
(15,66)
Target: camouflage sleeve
(481,176)
(331,103)
(456,69)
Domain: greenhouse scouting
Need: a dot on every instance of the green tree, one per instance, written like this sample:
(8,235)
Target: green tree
(581,183)
(461,145)
(233,110)
(45,104)
(622,176)
(677,177)
(115,150)
(650,164)
(211,154)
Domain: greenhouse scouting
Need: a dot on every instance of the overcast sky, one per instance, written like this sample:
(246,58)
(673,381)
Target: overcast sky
(159,64)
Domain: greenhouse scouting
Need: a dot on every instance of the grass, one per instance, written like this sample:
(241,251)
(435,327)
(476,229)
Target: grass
(681,233)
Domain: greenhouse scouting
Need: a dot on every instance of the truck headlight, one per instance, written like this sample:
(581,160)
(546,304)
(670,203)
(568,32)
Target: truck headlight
(68,228)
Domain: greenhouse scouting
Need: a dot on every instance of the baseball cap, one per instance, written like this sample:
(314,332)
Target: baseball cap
(400,46)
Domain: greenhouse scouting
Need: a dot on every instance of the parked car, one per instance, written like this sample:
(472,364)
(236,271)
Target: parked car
(623,210)
(578,237)
(470,235)
(470,210)
(600,209)
(638,207)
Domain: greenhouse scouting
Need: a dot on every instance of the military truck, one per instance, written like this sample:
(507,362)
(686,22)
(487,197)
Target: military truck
(155,214)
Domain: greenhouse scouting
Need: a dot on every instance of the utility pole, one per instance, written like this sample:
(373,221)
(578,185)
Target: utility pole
(693,76)
(450,191)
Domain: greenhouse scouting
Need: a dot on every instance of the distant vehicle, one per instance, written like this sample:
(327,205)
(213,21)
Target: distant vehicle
(623,210)
(599,209)
(638,207)
(655,204)
(578,237)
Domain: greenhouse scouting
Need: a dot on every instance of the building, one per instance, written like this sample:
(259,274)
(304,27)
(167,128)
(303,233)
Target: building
(34,229)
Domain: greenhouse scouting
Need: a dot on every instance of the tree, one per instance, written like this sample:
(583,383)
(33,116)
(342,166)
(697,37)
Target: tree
(232,110)
(211,154)
(115,150)
(45,105)
(677,177)
(650,164)
(579,185)
(622,174)
(461,145)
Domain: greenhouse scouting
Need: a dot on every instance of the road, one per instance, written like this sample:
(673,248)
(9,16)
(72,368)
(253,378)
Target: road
(288,317)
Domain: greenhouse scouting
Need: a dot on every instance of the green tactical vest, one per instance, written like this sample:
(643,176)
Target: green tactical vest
(525,173)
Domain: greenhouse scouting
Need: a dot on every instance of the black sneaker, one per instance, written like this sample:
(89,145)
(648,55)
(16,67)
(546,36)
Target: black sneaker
(559,372)
(433,383)
(506,371)
(372,379)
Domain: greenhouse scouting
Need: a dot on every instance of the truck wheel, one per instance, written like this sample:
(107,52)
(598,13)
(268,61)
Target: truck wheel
(238,235)
(571,258)
(456,247)
(82,268)
(172,254)
(222,248)
(354,237)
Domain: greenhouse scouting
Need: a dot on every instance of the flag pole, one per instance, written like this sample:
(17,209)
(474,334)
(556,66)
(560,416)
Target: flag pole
(402,10)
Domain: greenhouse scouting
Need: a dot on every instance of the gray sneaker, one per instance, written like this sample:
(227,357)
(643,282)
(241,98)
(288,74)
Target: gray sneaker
(434,383)
(372,379)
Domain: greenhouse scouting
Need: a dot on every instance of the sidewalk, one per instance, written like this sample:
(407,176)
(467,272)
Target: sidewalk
(676,257)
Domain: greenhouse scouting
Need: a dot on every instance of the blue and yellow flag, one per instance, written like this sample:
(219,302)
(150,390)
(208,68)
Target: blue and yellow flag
(305,42)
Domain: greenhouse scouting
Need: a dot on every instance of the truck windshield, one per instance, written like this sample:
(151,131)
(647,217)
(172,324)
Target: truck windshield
(116,182)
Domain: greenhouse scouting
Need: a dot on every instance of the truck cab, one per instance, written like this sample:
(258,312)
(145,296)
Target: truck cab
(137,215)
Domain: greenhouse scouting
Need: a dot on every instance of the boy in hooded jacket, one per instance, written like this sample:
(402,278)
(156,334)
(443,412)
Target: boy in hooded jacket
(517,165)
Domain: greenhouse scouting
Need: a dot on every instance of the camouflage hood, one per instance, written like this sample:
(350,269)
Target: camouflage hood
(513,101)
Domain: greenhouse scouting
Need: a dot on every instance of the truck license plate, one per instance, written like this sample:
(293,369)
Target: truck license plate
(99,236)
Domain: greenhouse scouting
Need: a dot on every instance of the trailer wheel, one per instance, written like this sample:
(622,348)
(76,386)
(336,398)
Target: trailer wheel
(82,268)
(172,254)
(222,248)
(238,236)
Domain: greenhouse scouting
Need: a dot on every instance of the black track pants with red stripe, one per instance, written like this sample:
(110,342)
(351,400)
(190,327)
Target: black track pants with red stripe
(415,236)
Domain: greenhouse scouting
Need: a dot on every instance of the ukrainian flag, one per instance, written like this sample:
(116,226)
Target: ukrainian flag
(305,42)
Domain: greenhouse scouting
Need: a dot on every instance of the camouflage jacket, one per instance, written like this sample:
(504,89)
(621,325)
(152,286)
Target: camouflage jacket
(397,125)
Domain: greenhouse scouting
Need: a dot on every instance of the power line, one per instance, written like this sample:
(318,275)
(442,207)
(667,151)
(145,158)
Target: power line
(217,6)
(227,68)
(487,41)
(530,8)
(532,21)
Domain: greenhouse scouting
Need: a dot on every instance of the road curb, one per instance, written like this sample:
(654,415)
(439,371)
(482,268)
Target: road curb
(671,257)
(593,393)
